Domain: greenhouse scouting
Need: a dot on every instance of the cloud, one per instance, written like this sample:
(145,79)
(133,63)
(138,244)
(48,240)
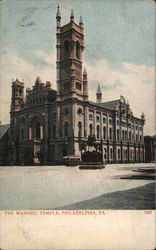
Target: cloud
(28,24)
(17,67)
(135,82)
(47,58)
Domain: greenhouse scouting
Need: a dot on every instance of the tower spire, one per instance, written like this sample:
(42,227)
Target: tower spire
(58,14)
(98,94)
(80,22)
(58,18)
(72,15)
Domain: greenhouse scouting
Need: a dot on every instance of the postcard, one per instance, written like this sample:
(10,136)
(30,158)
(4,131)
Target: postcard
(77,124)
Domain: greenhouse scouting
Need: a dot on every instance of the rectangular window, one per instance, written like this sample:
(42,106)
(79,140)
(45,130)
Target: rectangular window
(104,119)
(110,121)
(111,153)
(66,86)
(97,118)
(78,86)
(118,135)
(91,117)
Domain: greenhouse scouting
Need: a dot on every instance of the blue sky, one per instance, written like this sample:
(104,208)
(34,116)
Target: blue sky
(119,48)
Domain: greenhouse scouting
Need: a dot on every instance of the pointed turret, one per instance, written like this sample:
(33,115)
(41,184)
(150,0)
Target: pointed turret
(72,15)
(58,14)
(81,22)
(143,116)
(98,94)
(58,17)
(84,72)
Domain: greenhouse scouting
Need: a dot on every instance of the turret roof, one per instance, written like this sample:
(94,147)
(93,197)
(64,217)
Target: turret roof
(98,90)
(58,12)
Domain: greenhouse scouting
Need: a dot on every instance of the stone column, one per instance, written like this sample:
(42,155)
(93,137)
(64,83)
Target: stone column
(41,132)
(94,123)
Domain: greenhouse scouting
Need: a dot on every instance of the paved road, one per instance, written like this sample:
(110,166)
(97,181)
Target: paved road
(48,187)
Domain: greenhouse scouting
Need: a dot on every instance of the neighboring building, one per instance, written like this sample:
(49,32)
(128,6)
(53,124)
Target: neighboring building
(150,148)
(4,137)
(49,124)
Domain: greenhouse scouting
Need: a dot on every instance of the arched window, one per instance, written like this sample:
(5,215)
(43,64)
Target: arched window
(98,131)
(66,128)
(20,91)
(104,132)
(111,153)
(126,154)
(110,133)
(77,50)
(130,136)
(119,154)
(105,153)
(66,50)
(123,135)
(37,130)
(90,129)
(117,134)
(79,129)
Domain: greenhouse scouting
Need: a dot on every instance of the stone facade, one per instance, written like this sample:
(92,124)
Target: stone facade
(48,124)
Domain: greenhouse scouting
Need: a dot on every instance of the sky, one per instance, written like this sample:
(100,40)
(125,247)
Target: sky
(119,49)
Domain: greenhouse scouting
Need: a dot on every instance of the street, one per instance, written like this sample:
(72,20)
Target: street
(49,187)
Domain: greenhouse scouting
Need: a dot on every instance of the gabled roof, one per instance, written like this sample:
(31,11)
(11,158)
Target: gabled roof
(4,129)
(106,105)
(109,105)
